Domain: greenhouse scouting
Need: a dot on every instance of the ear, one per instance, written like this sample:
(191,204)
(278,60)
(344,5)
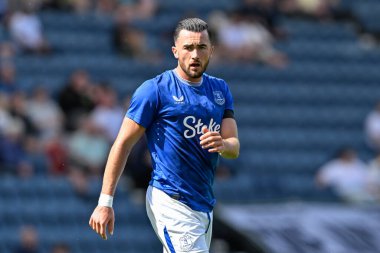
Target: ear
(212,51)
(175,52)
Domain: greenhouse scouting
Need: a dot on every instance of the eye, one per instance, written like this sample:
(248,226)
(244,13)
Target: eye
(189,48)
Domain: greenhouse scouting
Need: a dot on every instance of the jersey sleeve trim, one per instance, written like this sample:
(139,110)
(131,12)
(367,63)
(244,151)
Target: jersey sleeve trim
(228,113)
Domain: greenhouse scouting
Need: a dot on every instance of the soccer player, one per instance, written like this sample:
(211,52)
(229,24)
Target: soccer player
(188,119)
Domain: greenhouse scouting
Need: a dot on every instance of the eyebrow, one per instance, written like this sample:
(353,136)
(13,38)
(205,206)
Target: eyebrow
(198,45)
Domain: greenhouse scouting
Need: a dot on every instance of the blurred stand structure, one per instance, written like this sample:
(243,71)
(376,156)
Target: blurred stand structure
(305,79)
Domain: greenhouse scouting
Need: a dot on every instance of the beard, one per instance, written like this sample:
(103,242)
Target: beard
(194,74)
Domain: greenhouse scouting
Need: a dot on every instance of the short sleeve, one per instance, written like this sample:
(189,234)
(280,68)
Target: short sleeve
(144,104)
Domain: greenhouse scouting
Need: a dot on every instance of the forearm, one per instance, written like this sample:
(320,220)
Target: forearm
(115,164)
(231,148)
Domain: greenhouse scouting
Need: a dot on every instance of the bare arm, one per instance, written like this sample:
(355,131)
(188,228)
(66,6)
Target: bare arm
(103,216)
(130,132)
(226,143)
(229,134)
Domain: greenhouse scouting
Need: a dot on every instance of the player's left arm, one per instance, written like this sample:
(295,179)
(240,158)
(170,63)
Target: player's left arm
(225,142)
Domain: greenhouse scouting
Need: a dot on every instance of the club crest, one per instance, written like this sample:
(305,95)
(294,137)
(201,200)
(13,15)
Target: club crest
(186,243)
(219,98)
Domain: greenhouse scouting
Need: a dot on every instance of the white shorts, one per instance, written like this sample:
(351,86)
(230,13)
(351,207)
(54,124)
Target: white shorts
(179,228)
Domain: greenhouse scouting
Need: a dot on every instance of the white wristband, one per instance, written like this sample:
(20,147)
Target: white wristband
(105,200)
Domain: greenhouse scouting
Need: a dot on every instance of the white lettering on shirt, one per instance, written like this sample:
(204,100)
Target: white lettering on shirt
(195,126)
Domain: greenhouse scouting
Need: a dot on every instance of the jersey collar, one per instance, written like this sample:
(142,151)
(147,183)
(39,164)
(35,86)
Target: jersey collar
(194,84)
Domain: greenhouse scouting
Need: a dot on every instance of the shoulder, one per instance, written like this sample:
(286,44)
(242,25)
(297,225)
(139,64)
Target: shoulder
(213,79)
(216,82)
(218,85)
(157,82)
(153,83)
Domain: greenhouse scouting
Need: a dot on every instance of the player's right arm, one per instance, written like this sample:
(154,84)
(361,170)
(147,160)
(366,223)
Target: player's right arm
(103,216)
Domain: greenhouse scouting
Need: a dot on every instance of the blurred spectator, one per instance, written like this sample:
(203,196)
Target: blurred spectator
(15,5)
(243,41)
(18,109)
(137,9)
(108,114)
(81,6)
(372,128)
(26,30)
(8,78)
(19,153)
(28,241)
(6,53)
(347,175)
(265,12)
(13,156)
(35,156)
(374,176)
(130,41)
(57,155)
(12,153)
(45,113)
(77,98)
(146,9)
(88,147)
(60,248)
(5,118)
(106,6)
(320,9)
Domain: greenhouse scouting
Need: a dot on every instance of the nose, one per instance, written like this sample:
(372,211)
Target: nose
(194,54)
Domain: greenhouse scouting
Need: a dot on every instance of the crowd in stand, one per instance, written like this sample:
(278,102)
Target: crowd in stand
(29,242)
(352,179)
(70,133)
(244,34)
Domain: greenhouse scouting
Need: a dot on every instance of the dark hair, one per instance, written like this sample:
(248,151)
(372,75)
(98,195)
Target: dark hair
(192,25)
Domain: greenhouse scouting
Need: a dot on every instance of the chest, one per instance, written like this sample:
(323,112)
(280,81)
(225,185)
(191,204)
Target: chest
(194,103)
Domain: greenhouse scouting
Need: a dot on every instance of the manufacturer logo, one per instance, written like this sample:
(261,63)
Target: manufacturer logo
(186,243)
(179,100)
(219,98)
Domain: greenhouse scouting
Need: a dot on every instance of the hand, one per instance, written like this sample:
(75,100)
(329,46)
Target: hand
(212,141)
(101,218)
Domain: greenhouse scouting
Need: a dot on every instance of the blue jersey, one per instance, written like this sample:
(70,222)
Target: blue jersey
(174,113)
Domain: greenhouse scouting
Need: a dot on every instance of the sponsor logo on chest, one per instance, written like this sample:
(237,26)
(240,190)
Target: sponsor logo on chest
(194,126)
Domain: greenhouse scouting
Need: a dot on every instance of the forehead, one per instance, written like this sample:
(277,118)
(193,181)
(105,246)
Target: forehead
(189,37)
